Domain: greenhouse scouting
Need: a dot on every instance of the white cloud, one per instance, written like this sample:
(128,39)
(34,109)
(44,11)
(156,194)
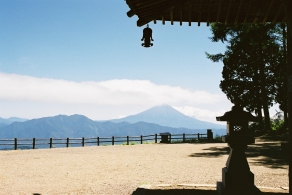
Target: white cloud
(112,92)
(199,113)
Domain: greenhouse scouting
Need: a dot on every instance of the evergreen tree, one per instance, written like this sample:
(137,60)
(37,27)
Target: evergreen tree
(251,61)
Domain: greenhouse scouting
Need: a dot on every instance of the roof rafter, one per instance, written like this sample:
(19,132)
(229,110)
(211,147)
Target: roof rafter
(238,12)
(278,13)
(199,13)
(190,14)
(225,11)
(228,12)
(209,12)
(268,12)
(218,11)
(247,13)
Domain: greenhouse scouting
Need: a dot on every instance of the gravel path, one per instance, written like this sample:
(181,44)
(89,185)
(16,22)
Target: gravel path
(121,169)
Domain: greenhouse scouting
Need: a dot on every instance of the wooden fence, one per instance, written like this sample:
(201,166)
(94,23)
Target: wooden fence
(97,141)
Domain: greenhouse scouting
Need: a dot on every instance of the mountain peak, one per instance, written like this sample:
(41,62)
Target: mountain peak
(161,109)
(166,115)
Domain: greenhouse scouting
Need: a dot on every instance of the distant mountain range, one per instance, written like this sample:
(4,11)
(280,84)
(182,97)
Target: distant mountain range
(155,120)
(166,115)
(4,122)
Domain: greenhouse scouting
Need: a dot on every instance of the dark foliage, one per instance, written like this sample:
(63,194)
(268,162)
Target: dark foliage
(253,66)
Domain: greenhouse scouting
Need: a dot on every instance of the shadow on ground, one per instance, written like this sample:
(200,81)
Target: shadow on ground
(142,191)
(262,154)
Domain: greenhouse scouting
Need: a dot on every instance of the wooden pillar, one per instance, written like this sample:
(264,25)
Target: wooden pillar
(127,140)
(288,13)
(82,141)
(141,138)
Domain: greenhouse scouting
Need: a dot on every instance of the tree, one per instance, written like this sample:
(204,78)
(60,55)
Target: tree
(251,61)
(281,74)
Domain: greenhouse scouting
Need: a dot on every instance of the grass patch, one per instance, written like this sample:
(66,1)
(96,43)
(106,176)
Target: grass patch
(130,143)
(217,139)
(148,142)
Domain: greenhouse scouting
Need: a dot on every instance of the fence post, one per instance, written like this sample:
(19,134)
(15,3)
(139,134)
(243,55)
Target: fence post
(155,138)
(67,143)
(198,136)
(141,139)
(113,140)
(184,137)
(169,138)
(97,141)
(15,143)
(127,140)
(33,143)
(82,141)
(51,142)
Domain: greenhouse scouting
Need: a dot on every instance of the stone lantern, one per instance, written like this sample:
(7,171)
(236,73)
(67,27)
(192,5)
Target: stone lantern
(236,176)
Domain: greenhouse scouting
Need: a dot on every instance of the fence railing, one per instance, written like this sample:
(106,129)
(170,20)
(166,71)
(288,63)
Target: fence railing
(34,143)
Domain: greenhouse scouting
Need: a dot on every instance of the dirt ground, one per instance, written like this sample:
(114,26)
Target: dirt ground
(122,169)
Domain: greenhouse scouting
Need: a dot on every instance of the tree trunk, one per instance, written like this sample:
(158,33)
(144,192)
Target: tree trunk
(263,88)
(260,116)
(285,100)
(259,102)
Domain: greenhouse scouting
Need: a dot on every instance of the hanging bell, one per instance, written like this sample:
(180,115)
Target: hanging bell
(147,37)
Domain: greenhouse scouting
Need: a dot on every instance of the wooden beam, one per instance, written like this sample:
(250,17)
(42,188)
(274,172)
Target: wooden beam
(163,20)
(146,5)
(278,13)
(247,13)
(130,13)
(200,13)
(228,12)
(180,15)
(258,12)
(152,16)
(154,21)
(209,8)
(268,12)
(238,12)
(218,11)
(130,5)
(171,16)
(190,14)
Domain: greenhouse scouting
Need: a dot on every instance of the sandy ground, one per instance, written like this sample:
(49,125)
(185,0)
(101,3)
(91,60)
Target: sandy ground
(121,169)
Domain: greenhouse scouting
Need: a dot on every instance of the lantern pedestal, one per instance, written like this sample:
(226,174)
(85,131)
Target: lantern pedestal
(236,176)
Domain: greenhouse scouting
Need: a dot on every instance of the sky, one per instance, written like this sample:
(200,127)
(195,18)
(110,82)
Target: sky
(85,57)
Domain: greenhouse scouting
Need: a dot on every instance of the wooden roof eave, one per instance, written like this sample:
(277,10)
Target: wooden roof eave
(224,11)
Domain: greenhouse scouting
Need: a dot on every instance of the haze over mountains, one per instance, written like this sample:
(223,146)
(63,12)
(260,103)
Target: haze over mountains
(155,120)
(4,122)
(166,115)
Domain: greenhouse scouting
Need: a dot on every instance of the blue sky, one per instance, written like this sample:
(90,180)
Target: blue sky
(85,57)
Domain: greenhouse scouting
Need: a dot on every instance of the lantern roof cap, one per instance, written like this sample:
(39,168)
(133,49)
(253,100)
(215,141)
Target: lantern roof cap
(237,114)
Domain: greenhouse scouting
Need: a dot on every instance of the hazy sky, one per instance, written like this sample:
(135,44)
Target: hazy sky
(85,57)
